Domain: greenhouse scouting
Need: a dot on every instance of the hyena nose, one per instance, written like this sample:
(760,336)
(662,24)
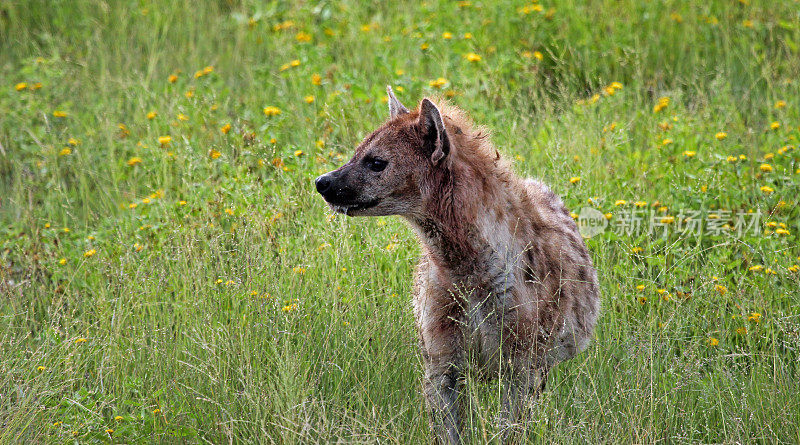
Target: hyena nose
(323,183)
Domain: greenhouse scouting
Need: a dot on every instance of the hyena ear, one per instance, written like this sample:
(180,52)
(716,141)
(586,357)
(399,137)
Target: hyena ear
(395,107)
(434,132)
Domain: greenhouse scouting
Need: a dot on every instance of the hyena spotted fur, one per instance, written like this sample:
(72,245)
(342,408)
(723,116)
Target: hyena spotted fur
(505,281)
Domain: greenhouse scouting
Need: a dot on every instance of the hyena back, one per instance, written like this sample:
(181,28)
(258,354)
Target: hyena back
(505,281)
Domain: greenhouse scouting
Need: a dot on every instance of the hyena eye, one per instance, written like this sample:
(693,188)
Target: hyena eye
(376,165)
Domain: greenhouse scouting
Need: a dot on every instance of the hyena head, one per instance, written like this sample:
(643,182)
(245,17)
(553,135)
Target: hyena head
(390,167)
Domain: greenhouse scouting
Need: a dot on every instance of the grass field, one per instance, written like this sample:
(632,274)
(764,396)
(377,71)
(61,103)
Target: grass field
(170,275)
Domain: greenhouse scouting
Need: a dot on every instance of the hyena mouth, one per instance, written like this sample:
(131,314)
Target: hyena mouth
(348,209)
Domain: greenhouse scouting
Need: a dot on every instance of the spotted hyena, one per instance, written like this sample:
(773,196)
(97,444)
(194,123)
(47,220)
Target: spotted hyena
(505,282)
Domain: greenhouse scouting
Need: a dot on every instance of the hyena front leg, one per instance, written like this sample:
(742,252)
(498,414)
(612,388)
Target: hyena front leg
(521,387)
(442,386)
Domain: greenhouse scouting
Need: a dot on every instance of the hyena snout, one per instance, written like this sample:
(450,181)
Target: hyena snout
(323,183)
(339,192)
(335,189)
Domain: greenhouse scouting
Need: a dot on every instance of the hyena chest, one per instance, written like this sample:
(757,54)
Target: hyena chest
(484,304)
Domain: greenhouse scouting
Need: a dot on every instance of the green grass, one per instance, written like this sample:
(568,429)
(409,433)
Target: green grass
(247,314)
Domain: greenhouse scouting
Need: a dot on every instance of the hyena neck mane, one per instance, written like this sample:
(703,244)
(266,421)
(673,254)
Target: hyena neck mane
(469,202)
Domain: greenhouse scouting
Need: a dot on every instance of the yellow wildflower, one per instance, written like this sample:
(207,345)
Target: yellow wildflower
(712,341)
(662,103)
(767,189)
(316,79)
(172,78)
(164,140)
(472,57)
(59,113)
(438,83)
(303,37)
(780,104)
(225,128)
(272,111)
(765,168)
(690,153)
(775,125)
(620,202)
(308,99)
(574,179)
(538,55)
(721,135)
(755,317)
(722,290)
(65,151)
(151,115)
(283,25)
(20,86)
(134,161)
(447,35)
(214,154)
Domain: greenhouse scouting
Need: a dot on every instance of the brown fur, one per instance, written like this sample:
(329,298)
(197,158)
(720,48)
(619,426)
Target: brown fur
(505,280)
